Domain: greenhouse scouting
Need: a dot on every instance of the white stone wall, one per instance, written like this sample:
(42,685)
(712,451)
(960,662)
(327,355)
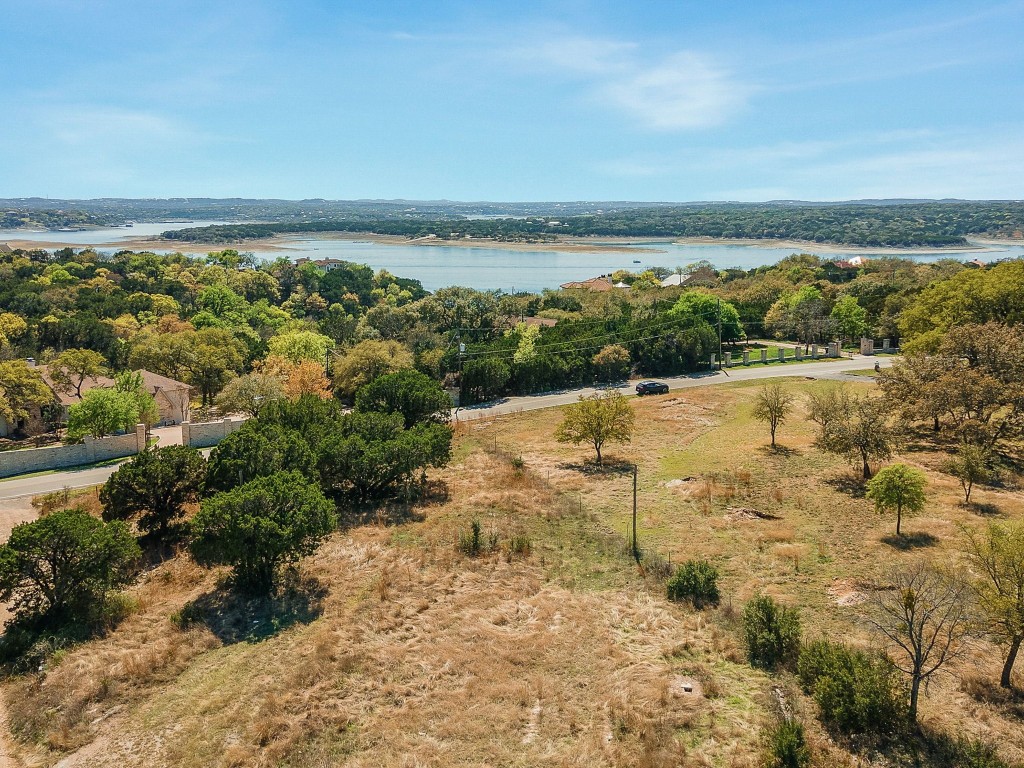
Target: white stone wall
(92,450)
(209,433)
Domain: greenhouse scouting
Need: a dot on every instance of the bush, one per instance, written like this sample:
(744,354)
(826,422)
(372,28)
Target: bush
(154,487)
(61,570)
(787,746)
(696,581)
(260,525)
(856,692)
(471,543)
(771,631)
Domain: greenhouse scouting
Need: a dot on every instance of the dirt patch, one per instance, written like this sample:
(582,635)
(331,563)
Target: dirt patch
(13,512)
(846,593)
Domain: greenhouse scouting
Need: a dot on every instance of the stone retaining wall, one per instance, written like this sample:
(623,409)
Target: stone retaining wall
(92,450)
(206,434)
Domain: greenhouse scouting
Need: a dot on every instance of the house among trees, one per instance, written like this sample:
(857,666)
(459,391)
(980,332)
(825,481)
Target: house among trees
(5,248)
(324,265)
(600,284)
(172,397)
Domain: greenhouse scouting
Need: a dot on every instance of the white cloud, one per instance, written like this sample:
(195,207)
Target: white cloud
(112,127)
(683,90)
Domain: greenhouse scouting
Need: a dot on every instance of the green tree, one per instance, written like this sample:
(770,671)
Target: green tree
(484,378)
(771,631)
(598,419)
(102,411)
(413,394)
(154,487)
(258,450)
(72,367)
(21,390)
(60,568)
(249,393)
(859,428)
(997,558)
(857,692)
(970,465)
(611,363)
(12,327)
(772,405)
(697,307)
(924,614)
(260,525)
(212,357)
(300,345)
(696,581)
(369,454)
(132,386)
(367,361)
(849,318)
(971,296)
(897,488)
(787,746)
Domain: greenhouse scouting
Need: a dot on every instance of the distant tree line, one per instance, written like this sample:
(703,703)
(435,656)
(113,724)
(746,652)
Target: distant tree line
(898,225)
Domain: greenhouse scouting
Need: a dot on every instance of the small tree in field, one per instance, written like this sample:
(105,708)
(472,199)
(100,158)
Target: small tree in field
(260,525)
(772,405)
(969,466)
(997,556)
(859,428)
(924,615)
(897,488)
(601,418)
(155,486)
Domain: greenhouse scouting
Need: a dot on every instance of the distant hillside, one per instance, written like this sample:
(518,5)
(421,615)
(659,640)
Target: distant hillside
(896,225)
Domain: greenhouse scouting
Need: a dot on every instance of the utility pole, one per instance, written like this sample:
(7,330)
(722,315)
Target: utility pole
(719,334)
(636,548)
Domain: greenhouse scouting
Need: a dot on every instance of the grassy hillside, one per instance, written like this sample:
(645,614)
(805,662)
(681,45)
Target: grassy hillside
(392,647)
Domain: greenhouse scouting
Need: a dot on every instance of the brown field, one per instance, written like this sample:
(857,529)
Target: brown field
(391,647)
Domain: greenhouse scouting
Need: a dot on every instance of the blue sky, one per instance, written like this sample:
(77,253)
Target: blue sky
(572,100)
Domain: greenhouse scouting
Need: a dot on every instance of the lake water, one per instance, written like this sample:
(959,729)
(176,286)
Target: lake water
(437,266)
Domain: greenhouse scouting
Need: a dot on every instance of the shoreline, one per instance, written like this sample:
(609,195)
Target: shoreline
(583,244)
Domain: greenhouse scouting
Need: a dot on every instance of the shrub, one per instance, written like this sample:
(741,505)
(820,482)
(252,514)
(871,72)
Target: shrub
(696,581)
(856,692)
(471,543)
(154,487)
(519,544)
(61,569)
(787,746)
(771,631)
(260,525)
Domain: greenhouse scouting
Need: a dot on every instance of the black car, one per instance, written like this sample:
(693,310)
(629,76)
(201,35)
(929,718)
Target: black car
(651,388)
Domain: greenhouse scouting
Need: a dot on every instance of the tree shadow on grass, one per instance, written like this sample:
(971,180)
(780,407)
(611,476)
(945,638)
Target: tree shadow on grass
(908,541)
(235,617)
(985,509)
(778,450)
(1010,701)
(849,483)
(590,468)
(389,512)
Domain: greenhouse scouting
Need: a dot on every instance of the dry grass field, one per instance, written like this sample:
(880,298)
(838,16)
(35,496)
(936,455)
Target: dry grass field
(392,647)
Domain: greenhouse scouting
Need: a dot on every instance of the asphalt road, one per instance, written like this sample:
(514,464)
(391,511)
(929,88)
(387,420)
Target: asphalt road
(831,369)
(15,487)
